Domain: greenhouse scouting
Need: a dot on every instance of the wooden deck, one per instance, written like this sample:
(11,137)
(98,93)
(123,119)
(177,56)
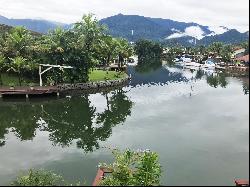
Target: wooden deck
(241,182)
(100,175)
(237,68)
(27,91)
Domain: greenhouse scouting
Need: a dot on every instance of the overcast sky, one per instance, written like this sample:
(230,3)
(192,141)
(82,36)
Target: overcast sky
(229,13)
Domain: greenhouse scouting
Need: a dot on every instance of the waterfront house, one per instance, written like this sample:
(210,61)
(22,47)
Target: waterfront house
(240,52)
(244,60)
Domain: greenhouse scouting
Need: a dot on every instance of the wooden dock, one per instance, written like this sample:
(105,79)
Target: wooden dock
(220,68)
(29,91)
(233,68)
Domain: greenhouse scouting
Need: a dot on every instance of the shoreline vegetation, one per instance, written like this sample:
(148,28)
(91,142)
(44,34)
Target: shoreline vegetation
(130,168)
(94,76)
(83,47)
(87,46)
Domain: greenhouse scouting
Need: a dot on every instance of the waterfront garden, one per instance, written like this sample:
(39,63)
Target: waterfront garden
(85,47)
(188,132)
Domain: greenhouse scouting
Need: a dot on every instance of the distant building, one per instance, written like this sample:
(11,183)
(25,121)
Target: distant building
(243,59)
(239,53)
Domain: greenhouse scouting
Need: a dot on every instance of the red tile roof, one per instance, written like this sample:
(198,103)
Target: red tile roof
(243,58)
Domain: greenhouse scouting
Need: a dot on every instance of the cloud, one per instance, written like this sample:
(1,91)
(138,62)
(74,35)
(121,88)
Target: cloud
(193,31)
(229,13)
(176,35)
(217,30)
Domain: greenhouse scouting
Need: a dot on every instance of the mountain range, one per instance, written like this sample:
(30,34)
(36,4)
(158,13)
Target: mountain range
(134,27)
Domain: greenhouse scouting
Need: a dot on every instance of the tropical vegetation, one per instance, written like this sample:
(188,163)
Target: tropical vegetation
(84,47)
(133,168)
(41,178)
(130,168)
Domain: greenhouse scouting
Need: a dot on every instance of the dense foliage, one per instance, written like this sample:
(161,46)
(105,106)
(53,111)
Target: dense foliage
(132,168)
(146,49)
(84,46)
(39,178)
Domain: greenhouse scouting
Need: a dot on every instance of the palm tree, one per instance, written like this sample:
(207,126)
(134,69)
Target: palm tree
(226,53)
(124,51)
(216,48)
(108,49)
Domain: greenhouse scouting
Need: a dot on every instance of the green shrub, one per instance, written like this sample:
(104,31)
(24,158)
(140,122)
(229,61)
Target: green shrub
(39,178)
(11,84)
(42,178)
(132,168)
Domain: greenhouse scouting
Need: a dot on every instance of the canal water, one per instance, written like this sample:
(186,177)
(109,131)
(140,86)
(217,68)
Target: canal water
(198,122)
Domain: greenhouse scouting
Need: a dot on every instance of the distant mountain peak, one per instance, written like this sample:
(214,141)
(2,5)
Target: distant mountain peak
(37,25)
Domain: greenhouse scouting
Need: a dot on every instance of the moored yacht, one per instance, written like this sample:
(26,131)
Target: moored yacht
(208,64)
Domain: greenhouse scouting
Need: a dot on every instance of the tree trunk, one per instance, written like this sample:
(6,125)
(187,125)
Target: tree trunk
(107,100)
(120,59)
(19,79)
(1,80)
(108,59)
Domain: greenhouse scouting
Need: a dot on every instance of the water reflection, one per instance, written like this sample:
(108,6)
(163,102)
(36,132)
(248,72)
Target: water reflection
(217,80)
(151,73)
(18,119)
(148,65)
(203,136)
(245,85)
(68,121)
(154,73)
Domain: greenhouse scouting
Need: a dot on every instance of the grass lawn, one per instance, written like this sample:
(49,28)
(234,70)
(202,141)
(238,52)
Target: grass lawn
(101,75)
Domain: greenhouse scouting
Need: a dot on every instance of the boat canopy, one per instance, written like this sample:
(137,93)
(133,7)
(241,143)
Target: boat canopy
(209,62)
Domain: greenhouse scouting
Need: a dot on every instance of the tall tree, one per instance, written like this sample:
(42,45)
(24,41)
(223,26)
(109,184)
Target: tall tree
(89,34)
(108,49)
(124,51)
(147,49)
(226,53)
(17,43)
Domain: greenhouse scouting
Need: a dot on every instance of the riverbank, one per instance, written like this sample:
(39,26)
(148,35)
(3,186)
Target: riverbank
(95,75)
(117,79)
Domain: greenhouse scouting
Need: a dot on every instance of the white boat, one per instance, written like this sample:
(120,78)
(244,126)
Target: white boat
(208,64)
(133,61)
(177,60)
(186,59)
(194,64)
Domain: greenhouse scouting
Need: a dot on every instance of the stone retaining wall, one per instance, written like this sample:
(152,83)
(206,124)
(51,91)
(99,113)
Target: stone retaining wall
(92,85)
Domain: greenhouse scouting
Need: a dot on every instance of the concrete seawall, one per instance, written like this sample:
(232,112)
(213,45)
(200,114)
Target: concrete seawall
(92,85)
(78,88)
